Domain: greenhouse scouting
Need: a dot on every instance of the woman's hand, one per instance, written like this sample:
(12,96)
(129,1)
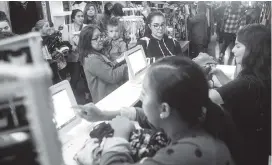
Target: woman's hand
(203,59)
(89,112)
(122,127)
(214,71)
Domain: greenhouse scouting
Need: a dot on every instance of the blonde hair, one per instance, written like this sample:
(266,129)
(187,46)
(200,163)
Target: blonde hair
(39,25)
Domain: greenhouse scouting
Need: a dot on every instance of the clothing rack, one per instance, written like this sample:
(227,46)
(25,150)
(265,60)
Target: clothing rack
(179,23)
(134,26)
(265,17)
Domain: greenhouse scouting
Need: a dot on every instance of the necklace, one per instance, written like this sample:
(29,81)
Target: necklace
(165,47)
(161,48)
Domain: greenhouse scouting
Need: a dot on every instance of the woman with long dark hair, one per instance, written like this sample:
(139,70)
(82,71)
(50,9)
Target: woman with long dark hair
(157,43)
(103,76)
(107,14)
(175,98)
(248,97)
(90,14)
(70,33)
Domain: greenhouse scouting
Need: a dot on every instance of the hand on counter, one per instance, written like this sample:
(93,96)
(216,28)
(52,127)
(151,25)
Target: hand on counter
(203,59)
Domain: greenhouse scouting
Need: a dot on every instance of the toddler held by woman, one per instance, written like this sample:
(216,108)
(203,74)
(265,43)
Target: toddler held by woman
(115,45)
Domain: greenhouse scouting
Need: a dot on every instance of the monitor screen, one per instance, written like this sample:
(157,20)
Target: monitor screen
(64,112)
(137,61)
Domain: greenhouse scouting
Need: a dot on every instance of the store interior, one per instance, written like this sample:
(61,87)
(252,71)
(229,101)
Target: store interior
(135,82)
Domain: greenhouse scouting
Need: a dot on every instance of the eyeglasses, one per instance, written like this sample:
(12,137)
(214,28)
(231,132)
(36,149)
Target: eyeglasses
(101,36)
(157,26)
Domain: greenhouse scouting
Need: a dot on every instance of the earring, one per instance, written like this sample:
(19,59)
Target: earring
(162,116)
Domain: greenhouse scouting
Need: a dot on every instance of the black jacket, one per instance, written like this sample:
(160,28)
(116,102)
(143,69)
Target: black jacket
(160,48)
(23,19)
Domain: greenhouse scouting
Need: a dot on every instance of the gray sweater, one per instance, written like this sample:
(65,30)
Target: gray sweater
(103,76)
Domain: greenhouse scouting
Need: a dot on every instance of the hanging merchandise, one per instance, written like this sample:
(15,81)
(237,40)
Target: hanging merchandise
(181,13)
(265,18)
(134,25)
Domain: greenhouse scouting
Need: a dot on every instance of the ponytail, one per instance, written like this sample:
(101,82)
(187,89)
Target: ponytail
(221,126)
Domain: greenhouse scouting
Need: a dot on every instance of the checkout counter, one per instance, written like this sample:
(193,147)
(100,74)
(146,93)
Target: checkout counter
(126,95)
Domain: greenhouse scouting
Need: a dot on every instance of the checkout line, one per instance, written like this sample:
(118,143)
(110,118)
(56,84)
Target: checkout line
(127,95)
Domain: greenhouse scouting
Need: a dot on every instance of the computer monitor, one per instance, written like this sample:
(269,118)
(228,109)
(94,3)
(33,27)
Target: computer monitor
(64,115)
(136,60)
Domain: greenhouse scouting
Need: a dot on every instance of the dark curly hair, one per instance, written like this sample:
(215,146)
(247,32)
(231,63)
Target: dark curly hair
(117,10)
(85,42)
(3,16)
(74,12)
(108,10)
(113,22)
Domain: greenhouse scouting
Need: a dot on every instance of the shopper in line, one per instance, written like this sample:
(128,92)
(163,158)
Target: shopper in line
(49,52)
(198,26)
(117,10)
(91,16)
(106,15)
(158,44)
(70,33)
(175,99)
(103,76)
(219,15)
(248,97)
(234,18)
(4,23)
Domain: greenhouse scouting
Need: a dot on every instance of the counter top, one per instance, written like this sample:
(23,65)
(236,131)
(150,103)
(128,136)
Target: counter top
(126,95)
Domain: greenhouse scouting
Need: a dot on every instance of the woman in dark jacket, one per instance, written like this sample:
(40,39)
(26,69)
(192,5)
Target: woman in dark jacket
(158,44)
(198,26)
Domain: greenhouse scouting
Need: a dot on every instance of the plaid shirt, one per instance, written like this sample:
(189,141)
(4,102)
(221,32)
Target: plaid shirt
(233,21)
